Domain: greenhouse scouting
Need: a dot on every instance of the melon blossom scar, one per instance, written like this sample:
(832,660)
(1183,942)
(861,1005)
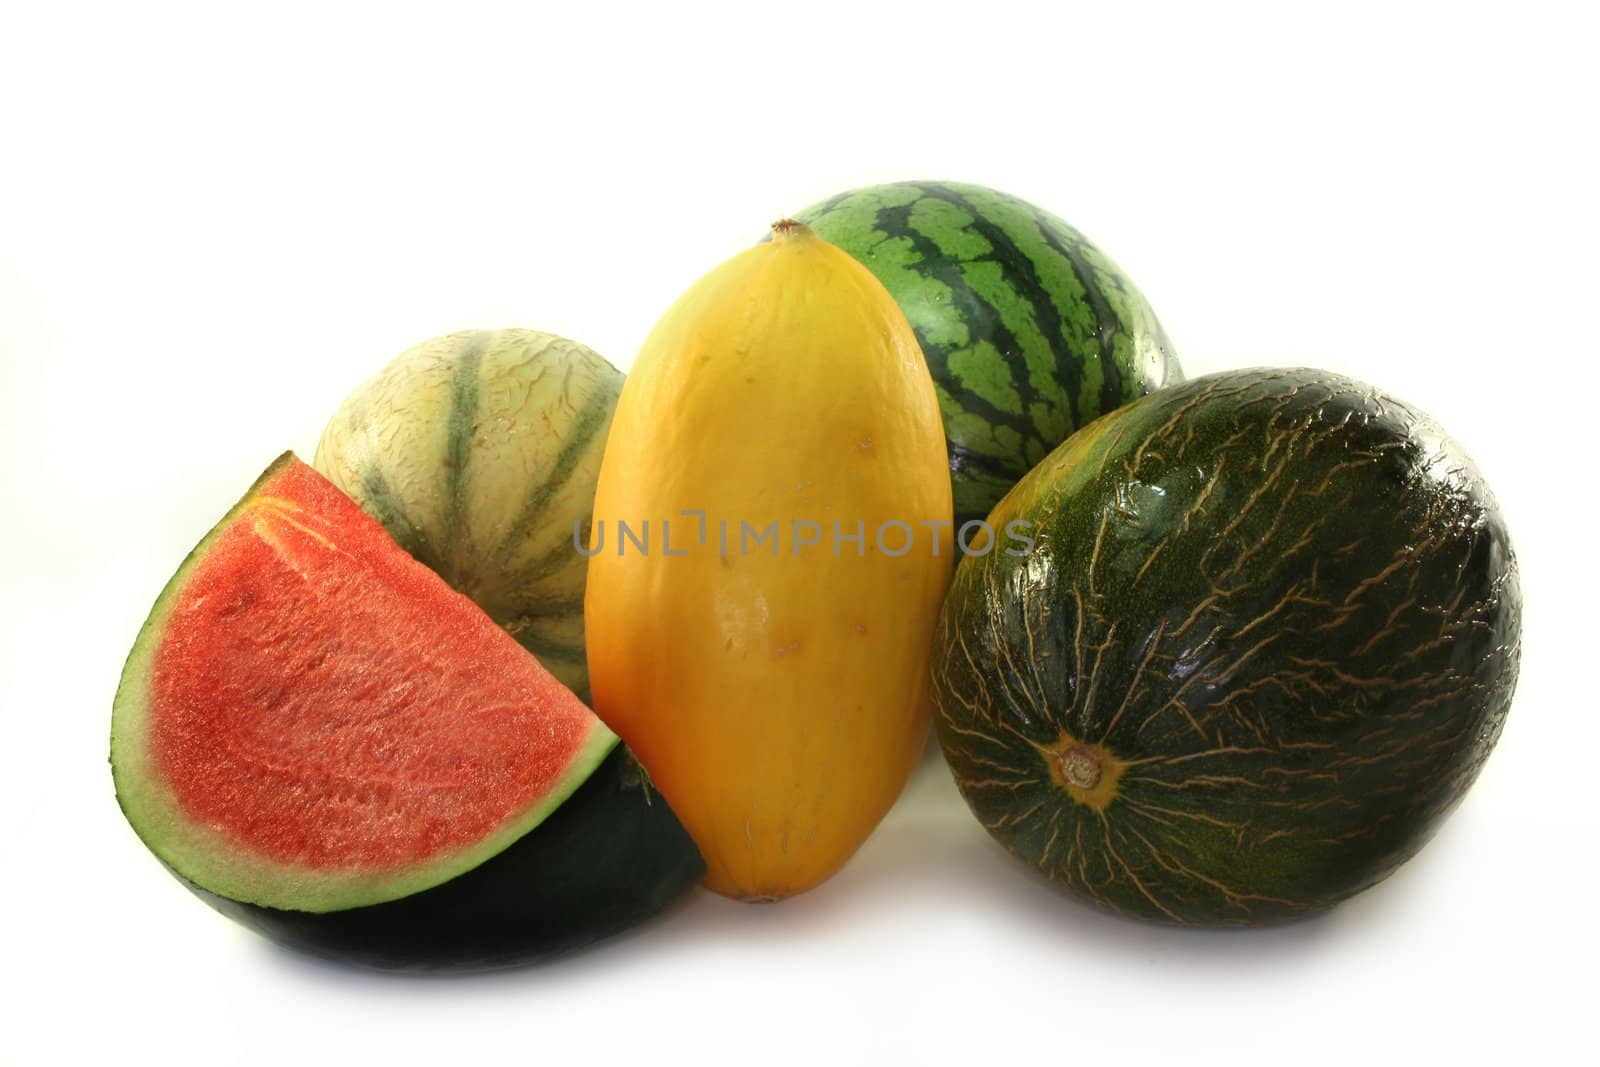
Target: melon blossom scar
(892,538)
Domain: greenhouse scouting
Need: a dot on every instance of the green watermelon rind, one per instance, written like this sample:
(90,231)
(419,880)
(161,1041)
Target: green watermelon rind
(612,856)
(208,859)
(1030,331)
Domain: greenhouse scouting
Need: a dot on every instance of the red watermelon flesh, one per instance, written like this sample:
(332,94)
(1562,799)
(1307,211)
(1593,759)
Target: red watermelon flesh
(312,720)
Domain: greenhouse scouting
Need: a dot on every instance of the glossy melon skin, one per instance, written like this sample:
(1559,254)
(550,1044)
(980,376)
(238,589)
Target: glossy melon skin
(1029,330)
(612,856)
(478,451)
(777,695)
(1266,639)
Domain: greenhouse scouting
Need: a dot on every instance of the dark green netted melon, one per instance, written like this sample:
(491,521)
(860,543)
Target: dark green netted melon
(1267,635)
(1029,330)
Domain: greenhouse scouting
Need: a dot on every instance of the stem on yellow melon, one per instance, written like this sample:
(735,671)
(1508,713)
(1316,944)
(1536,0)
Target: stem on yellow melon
(786,228)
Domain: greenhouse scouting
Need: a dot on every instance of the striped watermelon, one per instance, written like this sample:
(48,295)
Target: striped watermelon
(1029,330)
(478,452)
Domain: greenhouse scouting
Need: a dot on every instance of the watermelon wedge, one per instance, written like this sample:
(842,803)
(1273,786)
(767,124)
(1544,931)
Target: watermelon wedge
(327,742)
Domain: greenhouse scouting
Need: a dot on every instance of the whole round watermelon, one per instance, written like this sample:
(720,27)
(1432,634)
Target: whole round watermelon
(479,451)
(1029,330)
(1266,635)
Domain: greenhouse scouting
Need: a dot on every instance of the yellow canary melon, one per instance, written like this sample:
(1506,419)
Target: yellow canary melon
(770,546)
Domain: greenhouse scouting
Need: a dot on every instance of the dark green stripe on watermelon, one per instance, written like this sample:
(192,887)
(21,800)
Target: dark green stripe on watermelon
(610,857)
(1029,331)
(1267,637)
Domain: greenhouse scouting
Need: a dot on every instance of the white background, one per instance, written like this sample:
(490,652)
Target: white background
(213,223)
